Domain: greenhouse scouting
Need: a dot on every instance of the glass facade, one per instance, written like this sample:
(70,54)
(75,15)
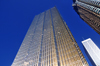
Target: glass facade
(90,7)
(49,42)
(89,11)
(92,2)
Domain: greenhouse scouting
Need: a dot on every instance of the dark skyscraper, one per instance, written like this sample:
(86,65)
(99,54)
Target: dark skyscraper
(89,11)
(49,42)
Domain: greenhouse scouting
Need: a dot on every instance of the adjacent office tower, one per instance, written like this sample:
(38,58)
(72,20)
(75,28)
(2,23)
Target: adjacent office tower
(49,42)
(89,11)
(93,50)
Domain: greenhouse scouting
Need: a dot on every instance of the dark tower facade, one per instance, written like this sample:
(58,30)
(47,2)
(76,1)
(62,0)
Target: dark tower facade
(49,42)
(89,11)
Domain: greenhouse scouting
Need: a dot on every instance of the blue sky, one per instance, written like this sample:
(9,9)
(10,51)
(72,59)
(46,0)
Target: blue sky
(17,15)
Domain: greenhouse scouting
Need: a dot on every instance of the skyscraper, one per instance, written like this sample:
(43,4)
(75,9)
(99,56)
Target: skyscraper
(93,50)
(49,42)
(89,11)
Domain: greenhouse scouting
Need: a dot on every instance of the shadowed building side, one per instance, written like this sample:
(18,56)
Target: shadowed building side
(89,11)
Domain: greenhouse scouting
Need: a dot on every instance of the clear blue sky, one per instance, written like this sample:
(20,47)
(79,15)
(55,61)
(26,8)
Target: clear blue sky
(17,15)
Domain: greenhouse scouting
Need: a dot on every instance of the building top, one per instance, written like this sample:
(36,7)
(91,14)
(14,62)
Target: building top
(93,50)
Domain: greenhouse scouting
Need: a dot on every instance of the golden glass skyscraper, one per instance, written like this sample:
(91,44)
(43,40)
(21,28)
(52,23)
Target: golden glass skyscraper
(49,42)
